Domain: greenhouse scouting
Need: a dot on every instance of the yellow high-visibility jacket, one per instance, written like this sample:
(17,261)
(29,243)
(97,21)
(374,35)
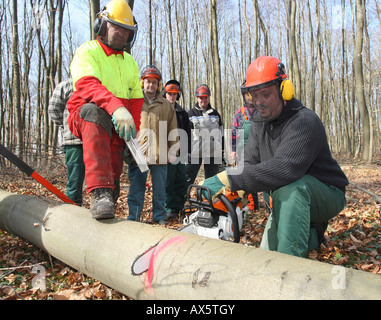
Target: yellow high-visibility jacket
(106,77)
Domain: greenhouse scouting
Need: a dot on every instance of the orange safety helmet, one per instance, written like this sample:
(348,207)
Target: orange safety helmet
(266,71)
(202,91)
(172,86)
(151,71)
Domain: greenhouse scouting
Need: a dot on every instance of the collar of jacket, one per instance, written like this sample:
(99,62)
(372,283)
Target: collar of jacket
(159,98)
(178,108)
(201,109)
(108,51)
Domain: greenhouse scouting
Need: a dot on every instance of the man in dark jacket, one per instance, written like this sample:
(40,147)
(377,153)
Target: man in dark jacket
(207,136)
(287,154)
(176,186)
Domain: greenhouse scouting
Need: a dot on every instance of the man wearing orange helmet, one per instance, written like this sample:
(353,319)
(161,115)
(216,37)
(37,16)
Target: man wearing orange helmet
(158,141)
(106,103)
(287,154)
(176,186)
(207,136)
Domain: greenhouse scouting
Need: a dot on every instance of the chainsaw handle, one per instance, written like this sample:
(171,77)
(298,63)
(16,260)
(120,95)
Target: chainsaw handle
(200,200)
(233,215)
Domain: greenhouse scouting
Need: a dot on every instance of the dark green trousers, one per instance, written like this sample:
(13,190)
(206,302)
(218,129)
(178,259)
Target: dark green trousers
(295,207)
(75,172)
(176,187)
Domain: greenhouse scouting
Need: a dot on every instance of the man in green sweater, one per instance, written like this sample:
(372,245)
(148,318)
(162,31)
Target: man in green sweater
(287,154)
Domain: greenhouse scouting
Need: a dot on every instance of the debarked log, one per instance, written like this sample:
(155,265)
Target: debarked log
(177,265)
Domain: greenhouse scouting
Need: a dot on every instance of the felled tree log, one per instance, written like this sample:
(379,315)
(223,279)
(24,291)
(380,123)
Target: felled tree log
(181,265)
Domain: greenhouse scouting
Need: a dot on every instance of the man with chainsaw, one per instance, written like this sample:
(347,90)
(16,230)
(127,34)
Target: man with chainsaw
(158,141)
(287,154)
(106,103)
(176,185)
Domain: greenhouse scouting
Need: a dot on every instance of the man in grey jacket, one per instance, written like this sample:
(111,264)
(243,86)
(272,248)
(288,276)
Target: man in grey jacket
(72,145)
(207,142)
(287,154)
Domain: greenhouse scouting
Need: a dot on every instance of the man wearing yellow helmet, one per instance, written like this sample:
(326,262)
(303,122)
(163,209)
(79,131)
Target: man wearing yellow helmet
(286,154)
(106,103)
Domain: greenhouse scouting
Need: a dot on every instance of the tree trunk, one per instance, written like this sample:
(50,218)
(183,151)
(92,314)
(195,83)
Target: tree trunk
(94,10)
(215,56)
(172,69)
(16,99)
(295,72)
(359,89)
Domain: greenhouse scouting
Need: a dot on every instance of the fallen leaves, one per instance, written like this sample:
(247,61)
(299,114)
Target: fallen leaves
(353,240)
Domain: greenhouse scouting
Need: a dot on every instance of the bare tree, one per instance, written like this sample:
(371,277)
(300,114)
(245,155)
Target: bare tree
(94,10)
(17,81)
(359,90)
(168,10)
(216,55)
(294,61)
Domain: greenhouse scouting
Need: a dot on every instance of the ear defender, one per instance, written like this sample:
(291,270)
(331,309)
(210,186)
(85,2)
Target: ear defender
(287,90)
(99,26)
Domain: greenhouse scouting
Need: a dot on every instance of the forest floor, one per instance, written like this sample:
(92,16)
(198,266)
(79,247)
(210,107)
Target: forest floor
(353,237)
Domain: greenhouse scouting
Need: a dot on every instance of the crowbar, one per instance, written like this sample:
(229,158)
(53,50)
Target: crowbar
(31,173)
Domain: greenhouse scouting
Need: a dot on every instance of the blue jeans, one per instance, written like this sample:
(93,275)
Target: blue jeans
(137,191)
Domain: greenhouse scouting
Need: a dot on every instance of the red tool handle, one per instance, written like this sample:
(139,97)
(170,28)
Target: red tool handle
(30,172)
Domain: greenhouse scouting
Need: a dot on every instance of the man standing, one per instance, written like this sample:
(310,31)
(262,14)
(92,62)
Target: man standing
(72,146)
(176,186)
(207,136)
(158,142)
(106,103)
(287,154)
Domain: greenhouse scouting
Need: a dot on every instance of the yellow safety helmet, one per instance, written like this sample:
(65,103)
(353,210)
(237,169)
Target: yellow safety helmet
(119,13)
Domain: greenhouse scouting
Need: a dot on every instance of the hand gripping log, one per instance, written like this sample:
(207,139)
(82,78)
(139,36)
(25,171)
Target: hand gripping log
(30,172)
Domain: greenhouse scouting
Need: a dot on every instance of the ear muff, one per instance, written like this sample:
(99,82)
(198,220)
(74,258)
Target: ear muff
(287,90)
(99,26)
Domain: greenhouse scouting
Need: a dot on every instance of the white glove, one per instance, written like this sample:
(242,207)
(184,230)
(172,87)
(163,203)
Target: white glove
(124,123)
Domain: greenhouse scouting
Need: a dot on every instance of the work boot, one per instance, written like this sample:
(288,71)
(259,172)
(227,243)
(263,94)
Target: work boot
(102,204)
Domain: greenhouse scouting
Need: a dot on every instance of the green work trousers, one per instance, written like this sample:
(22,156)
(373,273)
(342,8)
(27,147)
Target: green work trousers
(295,207)
(75,172)
(176,187)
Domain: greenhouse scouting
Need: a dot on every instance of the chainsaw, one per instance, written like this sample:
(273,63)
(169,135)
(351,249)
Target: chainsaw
(221,219)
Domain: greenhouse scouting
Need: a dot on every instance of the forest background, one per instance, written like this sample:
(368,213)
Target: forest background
(331,48)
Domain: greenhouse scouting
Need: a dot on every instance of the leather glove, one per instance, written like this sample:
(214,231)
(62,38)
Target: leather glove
(216,184)
(124,123)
